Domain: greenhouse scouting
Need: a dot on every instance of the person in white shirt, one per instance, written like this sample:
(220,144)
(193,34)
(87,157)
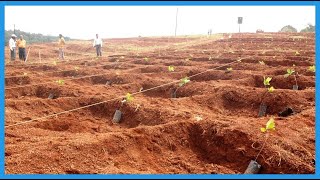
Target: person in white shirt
(12,46)
(97,43)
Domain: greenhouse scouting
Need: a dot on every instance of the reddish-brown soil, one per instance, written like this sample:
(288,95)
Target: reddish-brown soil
(159,134)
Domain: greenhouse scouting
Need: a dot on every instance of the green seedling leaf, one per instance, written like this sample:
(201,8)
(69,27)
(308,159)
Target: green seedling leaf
(312,68)
(262,63)
(146,59)
(289,73)
(55,63)
(128,98)
(187,59)
(229,69)
(60,82)
(76,68)
(198,118)
(271,89)
(297,53)
(184,81)
(171,68)
(25,74)
(266,82)
(270,126)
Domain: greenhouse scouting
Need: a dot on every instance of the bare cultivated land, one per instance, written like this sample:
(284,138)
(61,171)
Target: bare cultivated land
(211,127)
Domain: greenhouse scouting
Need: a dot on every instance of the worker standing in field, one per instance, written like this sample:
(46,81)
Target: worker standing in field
(61,47)
(12,46)
(21,43)
(97,43)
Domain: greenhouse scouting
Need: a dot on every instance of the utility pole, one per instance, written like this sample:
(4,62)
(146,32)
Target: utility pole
(239,22)
(175,33)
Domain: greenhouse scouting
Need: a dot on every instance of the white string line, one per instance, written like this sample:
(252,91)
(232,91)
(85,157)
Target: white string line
(67,79)
(121,97)
(49,72)
(51,82)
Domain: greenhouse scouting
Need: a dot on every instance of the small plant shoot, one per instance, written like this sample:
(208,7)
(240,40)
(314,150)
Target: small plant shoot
(289,73)
(146,59)
(266,81)
(229,69)
(184,81)
(128,98)
(312,68)
(55,63)
(294,73)
(270,126)
(297,53)
(60,82)
(171,68)
(76,68)
(262,63)
(271,89)
(25,74)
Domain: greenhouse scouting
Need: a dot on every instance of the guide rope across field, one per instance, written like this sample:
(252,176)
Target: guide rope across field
(121,97)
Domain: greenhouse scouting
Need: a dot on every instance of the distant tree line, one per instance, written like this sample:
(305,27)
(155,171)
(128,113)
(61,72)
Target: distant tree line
(32,37)
(289,28)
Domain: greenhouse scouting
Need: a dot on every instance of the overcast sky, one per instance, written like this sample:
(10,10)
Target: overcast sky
(83,22)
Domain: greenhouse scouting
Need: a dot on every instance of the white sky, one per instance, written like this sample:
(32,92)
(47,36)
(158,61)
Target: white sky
(83,22)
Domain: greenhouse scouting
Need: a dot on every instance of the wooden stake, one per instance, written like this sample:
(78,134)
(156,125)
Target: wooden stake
(28,54)
(39,56)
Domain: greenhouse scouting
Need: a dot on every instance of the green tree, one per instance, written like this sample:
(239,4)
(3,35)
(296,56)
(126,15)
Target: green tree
(288,28)
(32,37)
(309,28)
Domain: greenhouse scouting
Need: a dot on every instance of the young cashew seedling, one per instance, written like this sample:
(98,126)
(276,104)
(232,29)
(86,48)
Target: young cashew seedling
(182,82)
(270,89)
(312,68)
(294,73)
(60,82)
(262,63)
(117,115)
(270,126)
(254,166)
(170,68)
(229,69)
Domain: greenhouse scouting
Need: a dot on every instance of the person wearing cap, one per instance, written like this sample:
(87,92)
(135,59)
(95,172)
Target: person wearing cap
(97,43)
(12,46)
(21,43)
(61,46)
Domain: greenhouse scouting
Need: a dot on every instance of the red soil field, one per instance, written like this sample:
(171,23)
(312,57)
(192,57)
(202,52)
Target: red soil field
(212,127)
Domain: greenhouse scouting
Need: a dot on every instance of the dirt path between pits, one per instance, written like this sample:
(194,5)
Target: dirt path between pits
(212,127)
